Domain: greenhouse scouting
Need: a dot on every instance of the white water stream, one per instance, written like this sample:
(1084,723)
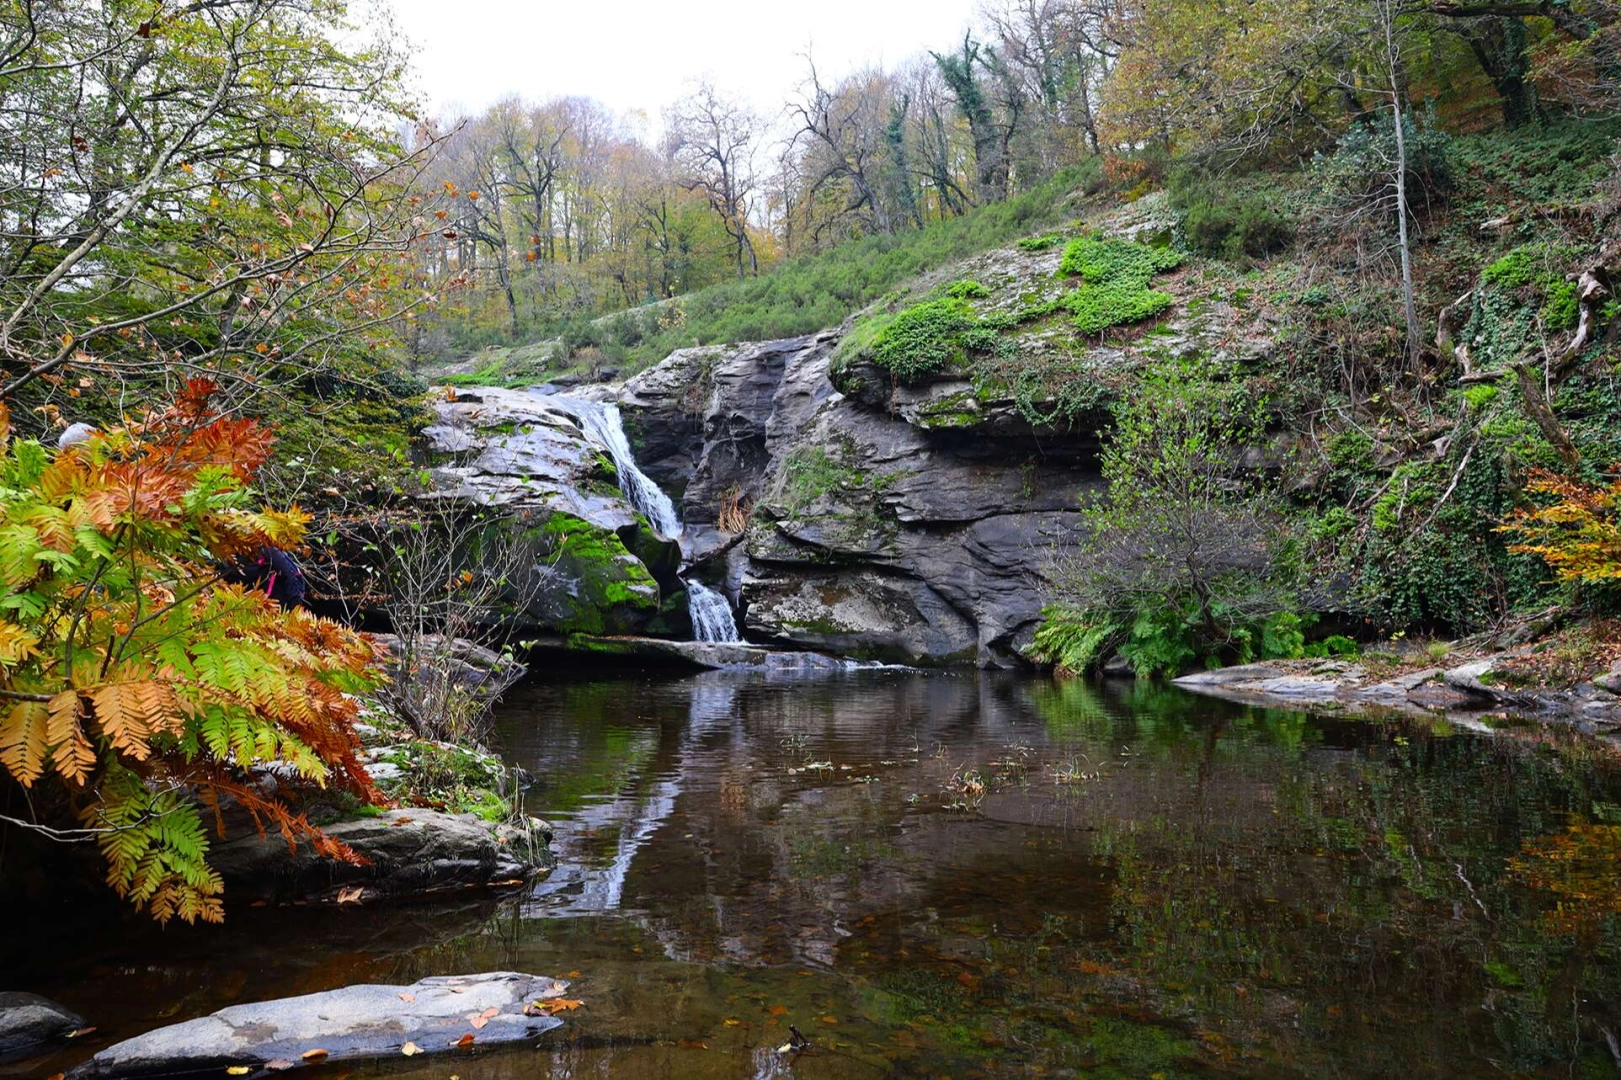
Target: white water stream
(711,614)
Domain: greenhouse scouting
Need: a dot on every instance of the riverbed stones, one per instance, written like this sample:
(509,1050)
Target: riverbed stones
(30,1024)
(409,852)
(434,1014)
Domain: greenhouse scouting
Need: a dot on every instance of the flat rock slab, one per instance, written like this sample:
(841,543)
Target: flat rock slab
(410,851)
(355,1022)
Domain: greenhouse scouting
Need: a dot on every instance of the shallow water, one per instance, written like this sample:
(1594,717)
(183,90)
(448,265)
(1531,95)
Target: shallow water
(984,876)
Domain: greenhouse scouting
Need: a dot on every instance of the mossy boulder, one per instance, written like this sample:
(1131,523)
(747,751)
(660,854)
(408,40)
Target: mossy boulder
(595,585)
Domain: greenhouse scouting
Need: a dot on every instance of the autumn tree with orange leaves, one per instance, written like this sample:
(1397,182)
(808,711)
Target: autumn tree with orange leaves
(139,682)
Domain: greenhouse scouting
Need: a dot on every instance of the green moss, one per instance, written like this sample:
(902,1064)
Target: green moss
(924,338)
(1093,259)
(1479,395)
(609,584)
(1115,276)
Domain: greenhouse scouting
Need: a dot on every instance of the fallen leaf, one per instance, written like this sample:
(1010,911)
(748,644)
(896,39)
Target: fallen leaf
(574,975)
(733,1023)
(54,1076)
(77,1032)
(491,1013)
(778,1010)
(410,1049)
(693,1044)
(829,1020)
(456,990)
(314,1055)
(351,895)
(476,1020)
(280,1064)
(238,1070)
(785,1048)
(465,1040)
(408,998)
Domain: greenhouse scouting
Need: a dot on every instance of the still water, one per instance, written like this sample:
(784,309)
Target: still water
(986,876)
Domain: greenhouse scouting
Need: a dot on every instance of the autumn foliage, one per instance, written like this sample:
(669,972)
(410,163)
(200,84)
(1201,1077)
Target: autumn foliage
(1578,533)
(132,675)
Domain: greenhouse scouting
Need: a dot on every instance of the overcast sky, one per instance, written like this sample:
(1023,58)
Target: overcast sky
(642,55)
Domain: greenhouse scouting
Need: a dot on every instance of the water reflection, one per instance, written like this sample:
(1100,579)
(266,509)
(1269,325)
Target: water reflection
(997,876)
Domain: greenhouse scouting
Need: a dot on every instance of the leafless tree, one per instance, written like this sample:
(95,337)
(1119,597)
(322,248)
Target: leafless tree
(712,143)
(450,580)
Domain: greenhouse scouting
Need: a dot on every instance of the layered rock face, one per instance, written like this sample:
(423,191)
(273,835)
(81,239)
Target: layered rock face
(869,534)
(602,567)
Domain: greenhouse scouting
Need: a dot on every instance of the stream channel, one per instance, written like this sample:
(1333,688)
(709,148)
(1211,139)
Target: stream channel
(976,875)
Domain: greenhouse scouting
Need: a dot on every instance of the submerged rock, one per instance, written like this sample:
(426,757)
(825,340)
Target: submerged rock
(410,852)
(355,1022)
(30,1024)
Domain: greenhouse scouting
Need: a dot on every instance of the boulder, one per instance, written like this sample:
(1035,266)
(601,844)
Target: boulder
(600,565)
(470,666)
(1476,678)
(364,1021)
(30,1024)
(410,852)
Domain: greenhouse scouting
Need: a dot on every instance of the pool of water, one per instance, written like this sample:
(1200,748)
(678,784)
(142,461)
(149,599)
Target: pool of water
(980,876)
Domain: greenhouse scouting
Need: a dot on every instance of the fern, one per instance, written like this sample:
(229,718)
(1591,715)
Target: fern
(128,673)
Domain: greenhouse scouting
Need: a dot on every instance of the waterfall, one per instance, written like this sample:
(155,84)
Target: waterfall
(711,614)
(602,421)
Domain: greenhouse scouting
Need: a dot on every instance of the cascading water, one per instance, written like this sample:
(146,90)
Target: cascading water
(602,421)
(711,614)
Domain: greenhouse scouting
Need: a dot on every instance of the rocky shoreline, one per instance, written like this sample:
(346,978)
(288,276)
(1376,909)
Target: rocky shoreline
(1471,691)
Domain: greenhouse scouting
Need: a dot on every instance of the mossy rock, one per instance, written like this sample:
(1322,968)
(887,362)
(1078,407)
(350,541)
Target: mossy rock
(661,557)
(595,585)
(674,619)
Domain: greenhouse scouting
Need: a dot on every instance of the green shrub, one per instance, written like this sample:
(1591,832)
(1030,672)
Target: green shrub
(1191,551)
(1248,228)
(1039,243)
(924,338)
(1358,172)
(966,290)
(1161,643)
(1337,646)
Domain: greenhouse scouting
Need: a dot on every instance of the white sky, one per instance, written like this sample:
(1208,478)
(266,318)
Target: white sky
(642,55)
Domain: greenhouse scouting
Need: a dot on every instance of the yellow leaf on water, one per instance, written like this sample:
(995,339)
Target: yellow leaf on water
(733,1023)
(410,1049)
(238,1070)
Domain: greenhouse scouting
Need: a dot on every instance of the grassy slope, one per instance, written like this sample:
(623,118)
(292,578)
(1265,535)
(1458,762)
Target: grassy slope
(800,296)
